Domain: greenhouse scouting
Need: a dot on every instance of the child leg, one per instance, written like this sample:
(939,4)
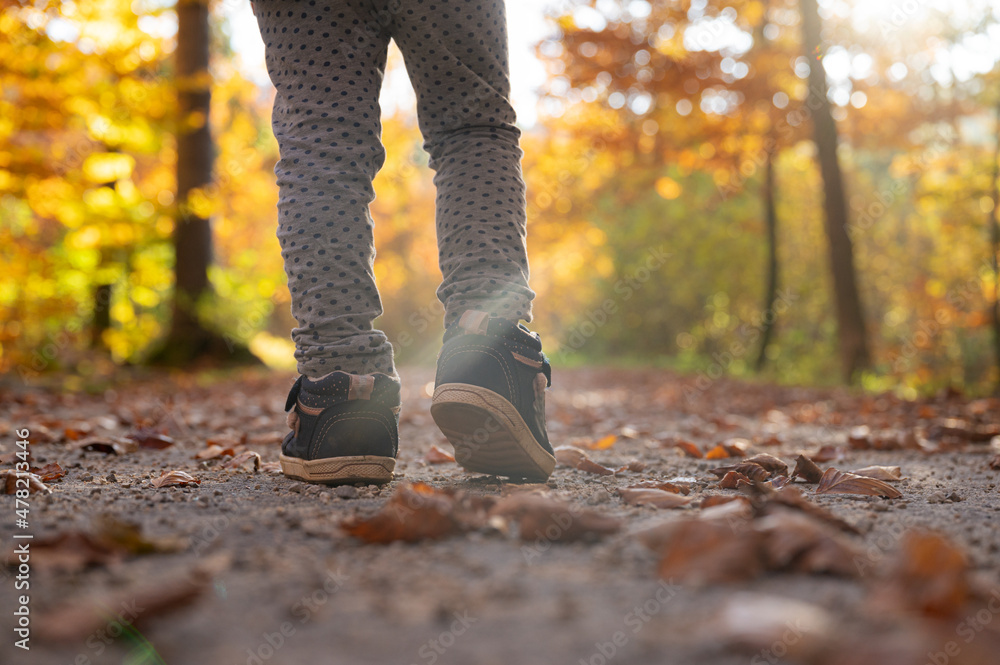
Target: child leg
(327,61)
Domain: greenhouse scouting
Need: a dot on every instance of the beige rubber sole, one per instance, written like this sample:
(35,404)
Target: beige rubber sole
(370,469)
(488,434)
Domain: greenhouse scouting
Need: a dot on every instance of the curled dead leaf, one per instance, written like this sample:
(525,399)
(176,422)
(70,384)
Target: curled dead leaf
(248,460)
(929,574)
(792,497)
(543,519)
(706,552)
(575,458)
(174,478)
(687,447)
(827,453)
(718,500)
(214,451)
(888,473)
(13,481)
(995,463)
(794,541)
(665,485)
(49,473)
(109,446)
(806,469)
(731,479)
(838,482)
(647,496)
(772,464)
(438,456)
(635,466)
(748,469)
(147,437)
(421,512)
(729,448)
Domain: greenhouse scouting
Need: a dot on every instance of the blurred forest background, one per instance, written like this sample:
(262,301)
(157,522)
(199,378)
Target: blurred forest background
(804,191)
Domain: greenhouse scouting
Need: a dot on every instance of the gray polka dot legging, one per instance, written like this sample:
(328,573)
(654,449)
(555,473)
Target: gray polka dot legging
(326,59)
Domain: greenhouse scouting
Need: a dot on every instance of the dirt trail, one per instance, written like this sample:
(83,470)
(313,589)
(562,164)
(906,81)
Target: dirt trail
(249,567)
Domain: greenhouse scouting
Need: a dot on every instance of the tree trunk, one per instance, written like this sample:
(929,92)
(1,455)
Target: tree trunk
(771,224)
(853,342)
(102,315)
(189,340)
(994,225)
(192,234)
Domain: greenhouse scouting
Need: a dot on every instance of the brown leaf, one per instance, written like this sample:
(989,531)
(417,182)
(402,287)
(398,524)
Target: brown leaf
(707,552)
(889,473)
(928,574)
(49,473)
(244,459)
(664,485)
(859,438)
(646,496)
(421,512)
(214,451)
(731,479)
(591,466)
(71,551)
(174,478)
(838,482)
(540,518)
(995,463)
(806,469)
(574,457)
(271,467)
(792,497)
(108,446)
(438,456)
(749,469)
(796,542)
(772,464)
(601,444)
(718,500)
(777,482)
(569,455)
(149,438)
(686,447)
(827,453)
(12,481)
(635,466)
(75,620)
(728,448)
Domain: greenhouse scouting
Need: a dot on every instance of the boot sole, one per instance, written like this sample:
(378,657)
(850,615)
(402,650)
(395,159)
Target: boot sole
(488,434)
(346,470)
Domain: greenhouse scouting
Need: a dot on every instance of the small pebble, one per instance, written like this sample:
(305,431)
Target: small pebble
(936,497)
(346,492)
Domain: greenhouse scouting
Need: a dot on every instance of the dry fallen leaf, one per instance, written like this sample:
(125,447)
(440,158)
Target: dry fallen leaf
(664,485)
(646,496)
(438,456)
(792,497)
(929,574)
(603,443)
(214,451)
(247,458)
(577,459)
(271,467)
(888,473)
(838,482)
(149,438)
(748,469)
(421,512)
(541,518)
(827,453)
(13,481)
(109,446)
(731,479)
(772,464)
(995,463)
(686,447)
(174,478)
(806,469)
(794,541)
(707,552)
(718,500)
(635,466)
(49,473)
(729,448)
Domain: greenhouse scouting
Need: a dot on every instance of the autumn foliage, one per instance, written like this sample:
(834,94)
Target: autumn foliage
(646,191)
